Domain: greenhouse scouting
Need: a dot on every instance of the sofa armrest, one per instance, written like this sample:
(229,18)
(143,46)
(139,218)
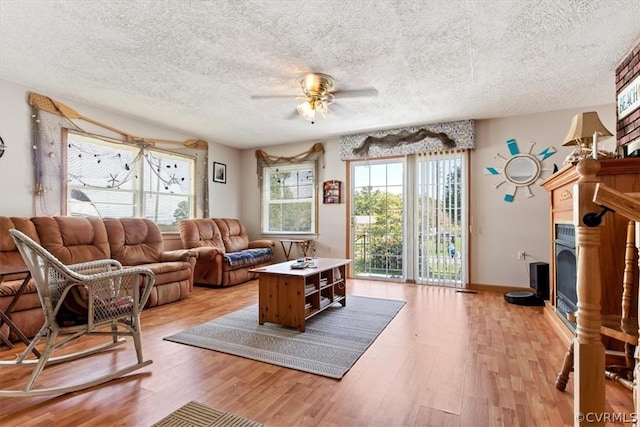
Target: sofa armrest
(263,243)
(179,255)
(207,252)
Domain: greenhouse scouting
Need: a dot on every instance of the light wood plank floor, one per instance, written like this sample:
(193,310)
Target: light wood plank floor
(447,359)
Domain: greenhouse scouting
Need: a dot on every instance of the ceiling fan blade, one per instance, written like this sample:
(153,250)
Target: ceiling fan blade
(272,96)
(354,93)
(340,110)
(292,115)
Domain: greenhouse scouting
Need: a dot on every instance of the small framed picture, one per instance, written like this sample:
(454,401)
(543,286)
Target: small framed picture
(219,172)
(331,191)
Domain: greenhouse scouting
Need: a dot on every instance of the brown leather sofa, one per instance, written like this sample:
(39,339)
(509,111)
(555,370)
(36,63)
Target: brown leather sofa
(131,241)
(225,253)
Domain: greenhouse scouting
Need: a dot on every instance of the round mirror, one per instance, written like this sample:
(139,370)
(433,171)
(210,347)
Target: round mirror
(522,169)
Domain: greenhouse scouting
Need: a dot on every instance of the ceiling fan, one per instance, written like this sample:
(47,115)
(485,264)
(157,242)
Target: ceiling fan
(318,94)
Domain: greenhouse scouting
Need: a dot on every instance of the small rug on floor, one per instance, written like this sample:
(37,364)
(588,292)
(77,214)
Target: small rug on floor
(195,414)
(332,342)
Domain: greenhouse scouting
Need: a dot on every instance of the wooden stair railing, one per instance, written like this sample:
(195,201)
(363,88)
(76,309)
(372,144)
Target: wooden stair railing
(588,350)
(592,200)
(627,205)
(623,327)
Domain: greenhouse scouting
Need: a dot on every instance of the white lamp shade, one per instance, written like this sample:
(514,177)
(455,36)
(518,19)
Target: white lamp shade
(583,126)
(306,110)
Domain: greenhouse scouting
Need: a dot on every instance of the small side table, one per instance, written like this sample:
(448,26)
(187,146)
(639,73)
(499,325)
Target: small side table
(7,270)
(304,245)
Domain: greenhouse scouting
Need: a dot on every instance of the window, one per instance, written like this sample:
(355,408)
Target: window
(289,199)
(116,180)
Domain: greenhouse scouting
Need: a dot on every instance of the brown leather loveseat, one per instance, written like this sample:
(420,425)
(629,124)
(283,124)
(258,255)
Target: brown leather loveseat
(132,241)
(225,253)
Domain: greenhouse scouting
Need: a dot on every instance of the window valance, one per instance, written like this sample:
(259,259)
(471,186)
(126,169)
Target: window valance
(417,139)
(315,153)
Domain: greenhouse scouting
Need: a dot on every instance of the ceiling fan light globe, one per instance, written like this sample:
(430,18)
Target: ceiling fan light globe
(322,108)
(306,110)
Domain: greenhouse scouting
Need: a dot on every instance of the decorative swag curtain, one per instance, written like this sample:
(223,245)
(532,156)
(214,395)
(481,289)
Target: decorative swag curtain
(418,139)
(51,118)
(314,154)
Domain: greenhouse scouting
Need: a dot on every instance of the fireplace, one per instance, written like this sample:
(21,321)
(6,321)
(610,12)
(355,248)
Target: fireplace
(566,279)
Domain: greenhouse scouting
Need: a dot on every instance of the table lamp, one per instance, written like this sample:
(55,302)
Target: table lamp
(584,132)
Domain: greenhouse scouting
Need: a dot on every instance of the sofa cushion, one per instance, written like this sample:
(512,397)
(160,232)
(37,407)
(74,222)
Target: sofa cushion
(73,239)
(167,272)
(9,254)
(28,320)
(7,244)
(134,241)
(169,292)
(28,299)
(247,258)
(234,234)
(200,232)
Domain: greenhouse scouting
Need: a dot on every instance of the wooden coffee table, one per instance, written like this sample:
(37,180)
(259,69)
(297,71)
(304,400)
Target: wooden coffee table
(289,297)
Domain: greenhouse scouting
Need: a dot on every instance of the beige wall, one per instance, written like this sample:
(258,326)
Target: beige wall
(16,177)
(500,229)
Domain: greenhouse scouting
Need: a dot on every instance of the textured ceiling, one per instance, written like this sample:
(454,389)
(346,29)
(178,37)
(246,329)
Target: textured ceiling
(194,65)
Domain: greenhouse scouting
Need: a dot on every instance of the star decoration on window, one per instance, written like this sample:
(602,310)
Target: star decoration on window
(113,180)
(173,180)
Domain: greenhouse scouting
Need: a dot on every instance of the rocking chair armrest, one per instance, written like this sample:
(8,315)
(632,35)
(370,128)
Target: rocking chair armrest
(116,273)
(97,280)
(89,279)
(95,266)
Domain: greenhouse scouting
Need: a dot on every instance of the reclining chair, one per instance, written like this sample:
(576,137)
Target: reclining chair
(92,298)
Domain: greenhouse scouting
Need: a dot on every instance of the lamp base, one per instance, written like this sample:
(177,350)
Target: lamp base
(581,153)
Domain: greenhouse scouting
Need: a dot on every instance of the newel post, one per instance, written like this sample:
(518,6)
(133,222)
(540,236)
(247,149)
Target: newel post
(636,370)
(589,353)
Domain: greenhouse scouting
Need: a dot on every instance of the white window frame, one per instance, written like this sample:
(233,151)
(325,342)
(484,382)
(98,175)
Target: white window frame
(142,194)
(266,200)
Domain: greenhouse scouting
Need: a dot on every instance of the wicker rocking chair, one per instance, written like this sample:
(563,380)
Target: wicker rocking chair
(93,298)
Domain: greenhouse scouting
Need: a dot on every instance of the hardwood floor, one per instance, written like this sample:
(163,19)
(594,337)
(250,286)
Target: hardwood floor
(447,359)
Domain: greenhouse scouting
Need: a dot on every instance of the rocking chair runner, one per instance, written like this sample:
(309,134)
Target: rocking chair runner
(106,299)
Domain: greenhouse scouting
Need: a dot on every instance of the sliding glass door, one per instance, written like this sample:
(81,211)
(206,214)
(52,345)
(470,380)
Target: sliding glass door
(441,217)
(408,219)
(377,220)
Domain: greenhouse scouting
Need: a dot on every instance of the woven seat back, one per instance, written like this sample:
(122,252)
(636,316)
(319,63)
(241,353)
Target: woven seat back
(69,298)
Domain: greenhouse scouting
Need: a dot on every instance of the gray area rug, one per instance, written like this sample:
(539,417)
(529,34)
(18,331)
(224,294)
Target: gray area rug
(195,414)
(334,339)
